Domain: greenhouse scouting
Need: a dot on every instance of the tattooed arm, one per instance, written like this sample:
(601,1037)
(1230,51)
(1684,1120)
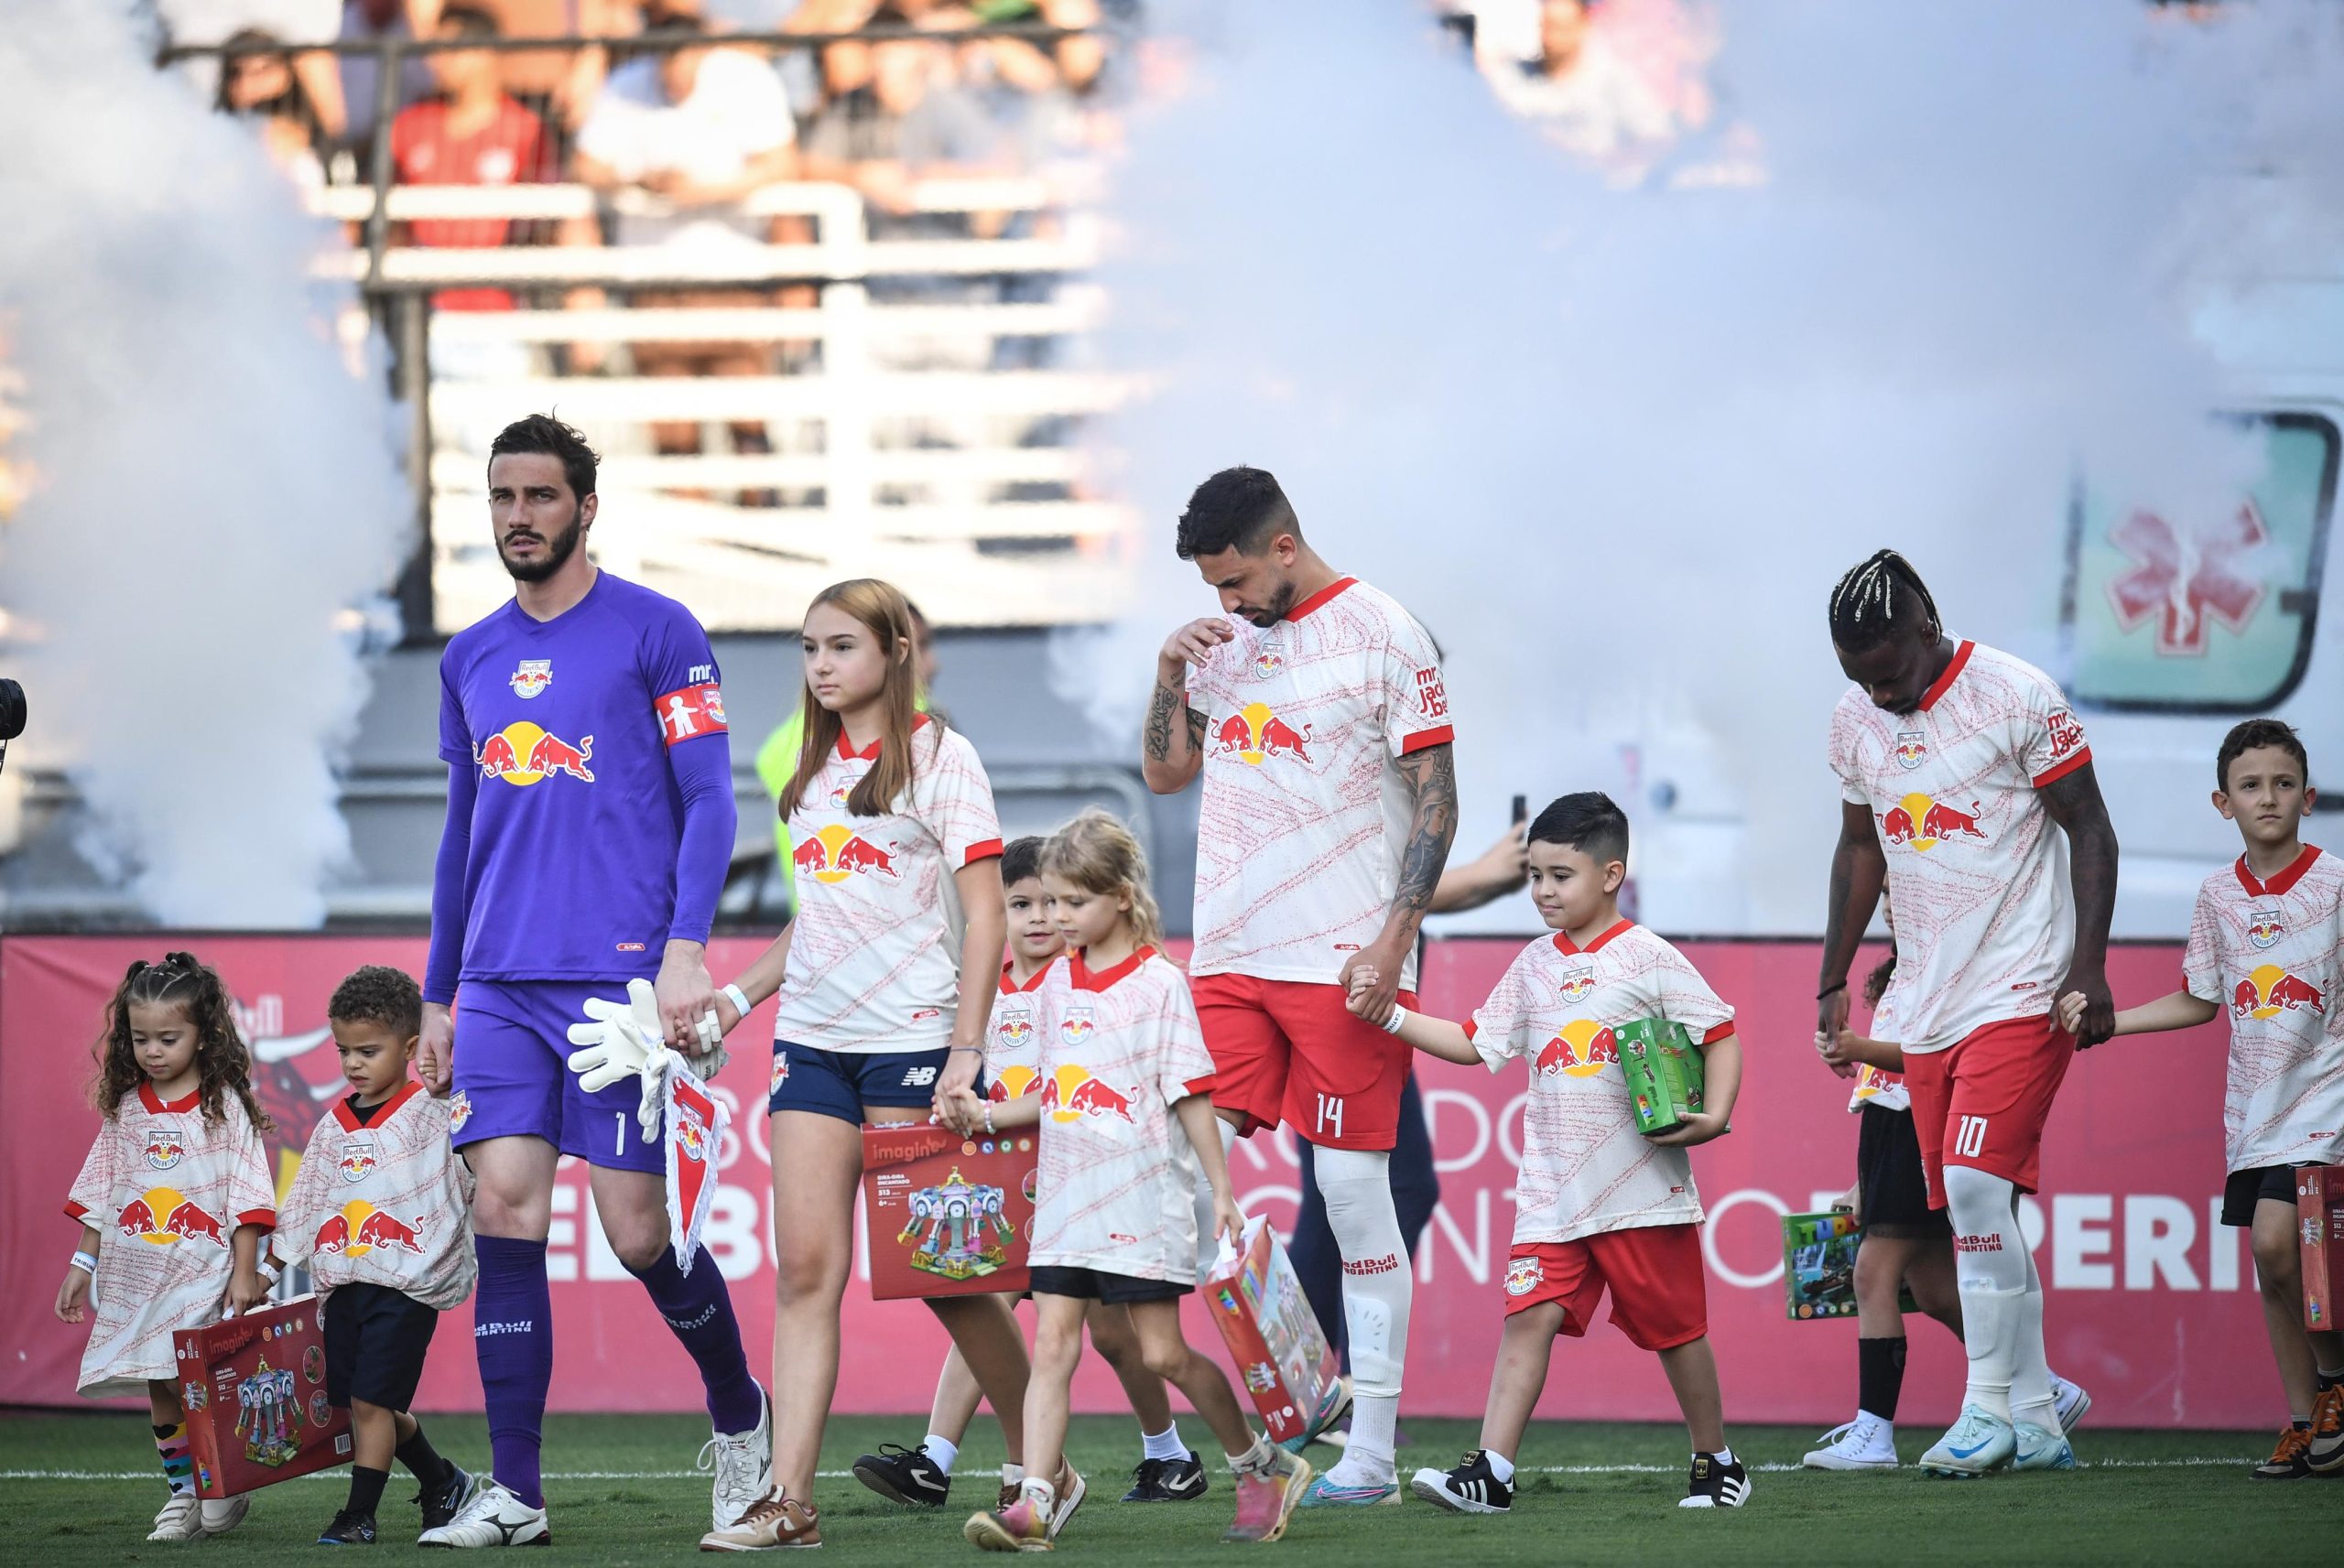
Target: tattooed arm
(2074,805)
(1172,741)
(1431,774)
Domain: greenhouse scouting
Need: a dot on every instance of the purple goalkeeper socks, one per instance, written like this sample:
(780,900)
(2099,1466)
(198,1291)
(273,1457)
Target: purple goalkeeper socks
(513,1338)
(699,1308)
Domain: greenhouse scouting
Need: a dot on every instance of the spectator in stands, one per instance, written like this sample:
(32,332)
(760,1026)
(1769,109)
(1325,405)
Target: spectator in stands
(202,22)
(373,21)
(910,119)
(257,82)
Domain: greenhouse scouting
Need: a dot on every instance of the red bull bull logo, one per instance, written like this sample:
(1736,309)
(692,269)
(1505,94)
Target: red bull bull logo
(532,676)
(165,1147)
(1576,981)
(780,1071)
(357,1158)
(1255,734)
(1912,749)
(522,753)
(1071,1094)
(836,852)
(1524,1275)
(1015,1032)
(1077,1026)
(368,1228)
(2264,928)
(1268,662)
(1917,822)
(164,1216)
(692,1133)
(332,1238)
(2270,991)
(1013,1083)
(1581,1049)
(460,1112)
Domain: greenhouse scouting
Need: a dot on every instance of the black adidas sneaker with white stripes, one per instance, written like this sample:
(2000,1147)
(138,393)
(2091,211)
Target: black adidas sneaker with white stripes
(1715,1484)
(1470,1488)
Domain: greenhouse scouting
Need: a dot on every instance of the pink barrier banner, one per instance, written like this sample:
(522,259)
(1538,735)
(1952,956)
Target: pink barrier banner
(2152,1304)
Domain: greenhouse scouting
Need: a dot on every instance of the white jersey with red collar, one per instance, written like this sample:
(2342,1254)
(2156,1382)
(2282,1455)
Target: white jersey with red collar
(2271,954)
(1977,870)
(1585,1168)
(1014,1036)
(382,1202)
(1117,1175)
(1304,813)
(1877,1086)
(874,956)
(166,1187)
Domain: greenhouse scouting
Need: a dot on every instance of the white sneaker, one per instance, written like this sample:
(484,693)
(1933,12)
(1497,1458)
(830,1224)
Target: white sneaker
(181,1519)
(218,1516)
(2071,1401)
(744,1465)
(494,1517)
(1866,1443)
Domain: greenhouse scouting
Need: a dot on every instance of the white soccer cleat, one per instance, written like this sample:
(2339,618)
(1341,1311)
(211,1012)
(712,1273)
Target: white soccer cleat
(2071,1401)
(218,1516)
(2035,1449)
(1976,1443)
(181,1519)
(744,1465)
(1866,1443)
(494,1517)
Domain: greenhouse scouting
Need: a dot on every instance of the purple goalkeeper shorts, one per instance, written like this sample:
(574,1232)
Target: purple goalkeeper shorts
(512,1077)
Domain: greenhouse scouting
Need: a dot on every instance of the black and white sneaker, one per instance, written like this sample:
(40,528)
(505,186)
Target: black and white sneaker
(1715,1485)
(1167,1480)
(1470,1488)
(905,1476)
(349,1529)
(446,1501)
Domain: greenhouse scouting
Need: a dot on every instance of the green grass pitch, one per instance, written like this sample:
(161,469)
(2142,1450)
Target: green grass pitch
(79,1488)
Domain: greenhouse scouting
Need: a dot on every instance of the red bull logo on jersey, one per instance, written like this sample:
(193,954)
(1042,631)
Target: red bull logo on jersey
(1255,734)
(836,852)
(780,1071)
(1013,1031)
(164,1217)
(460,1112)
(2269,991)
(357,1158)
(1581,1049)
(1013,1083)
(532,676)
(1523,1276)
(165,1146)
(1577,979)
(1071,1094)
(1917,822)
(1268,662)
(365,1228)
(522,753)
(1077,1025)
(1912,749)
(2263,928)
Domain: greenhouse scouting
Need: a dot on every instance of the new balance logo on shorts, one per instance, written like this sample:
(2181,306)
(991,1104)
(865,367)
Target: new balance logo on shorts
(919,1077)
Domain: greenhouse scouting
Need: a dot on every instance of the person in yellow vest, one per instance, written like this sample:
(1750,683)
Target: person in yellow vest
(777,758)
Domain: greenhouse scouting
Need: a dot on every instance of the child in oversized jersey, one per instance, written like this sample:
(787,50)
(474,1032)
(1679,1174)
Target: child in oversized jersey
(173,1201)
(1598,1204)
(2266,945)
(922,1476)
(1124,1122)
(381,1212)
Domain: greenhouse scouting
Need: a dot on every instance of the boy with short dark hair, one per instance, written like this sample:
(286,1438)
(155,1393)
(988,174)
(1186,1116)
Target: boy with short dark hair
(381,1211)
(1599,1204)
(2267,944)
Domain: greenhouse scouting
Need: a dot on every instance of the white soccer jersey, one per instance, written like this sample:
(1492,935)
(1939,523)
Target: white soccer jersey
(1585,1168)
(1117,1176)
(382,1202)
(1014,1036)
(875,961)
(166,1187)
(2271,955)
(1977,868)
(1875,1086)
(1304,813)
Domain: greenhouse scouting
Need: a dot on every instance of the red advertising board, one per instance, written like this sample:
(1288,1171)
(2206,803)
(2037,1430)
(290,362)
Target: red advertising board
(2152,1304)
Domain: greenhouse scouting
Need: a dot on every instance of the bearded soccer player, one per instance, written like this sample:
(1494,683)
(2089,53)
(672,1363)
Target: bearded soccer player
(1967,788)
(589,822)
(1314,709)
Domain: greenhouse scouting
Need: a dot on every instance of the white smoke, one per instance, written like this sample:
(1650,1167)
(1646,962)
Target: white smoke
(1614,445)
(213,489)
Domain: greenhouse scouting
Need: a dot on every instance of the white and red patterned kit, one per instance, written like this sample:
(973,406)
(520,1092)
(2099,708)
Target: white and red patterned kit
(1013,1035)
(1877,1086)
(1977,870)
(1305,812)
(383,1202)
(875,961)
(1118,1176)
(1585,1168)
(2271,954)
(166,1187)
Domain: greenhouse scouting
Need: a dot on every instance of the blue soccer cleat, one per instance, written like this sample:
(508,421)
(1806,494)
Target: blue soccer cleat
(1325,1494)
(1978,1443)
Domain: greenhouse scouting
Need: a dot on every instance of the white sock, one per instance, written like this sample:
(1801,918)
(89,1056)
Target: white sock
(1373,1423)
(1041,1494)
(1255,1459)
(1500,1466)
(1013,1475)
(1991,1260)
(942,1450)
(1723,1456)
(1164,1444)
(1378,1287)
(2032,1393)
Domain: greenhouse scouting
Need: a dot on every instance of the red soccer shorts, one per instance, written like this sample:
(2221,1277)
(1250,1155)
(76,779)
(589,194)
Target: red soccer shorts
(1660,1294)
(1982,1101)
(1287,1051)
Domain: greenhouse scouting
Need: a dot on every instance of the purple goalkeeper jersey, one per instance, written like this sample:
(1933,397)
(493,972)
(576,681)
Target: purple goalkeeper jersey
(582,736)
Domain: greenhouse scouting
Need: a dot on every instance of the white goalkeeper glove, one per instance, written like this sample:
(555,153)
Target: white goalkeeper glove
(625,1041)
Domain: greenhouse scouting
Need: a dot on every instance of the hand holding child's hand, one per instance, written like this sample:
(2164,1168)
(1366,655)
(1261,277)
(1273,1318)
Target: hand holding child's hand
(246,1288)
(961,1110)
(1698,1127)
(2071,1012)
(1360,999)
(72,1294)
(1834,1050)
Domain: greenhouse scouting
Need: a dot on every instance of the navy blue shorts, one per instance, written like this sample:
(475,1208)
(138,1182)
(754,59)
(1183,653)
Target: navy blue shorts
(512,1077)
(840,1082)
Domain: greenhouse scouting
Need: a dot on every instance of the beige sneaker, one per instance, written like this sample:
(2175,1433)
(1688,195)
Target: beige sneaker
(773,1521)
(1021,1526)
(218,1516)
(1266,1499)
(1071,1490)
(181,1519)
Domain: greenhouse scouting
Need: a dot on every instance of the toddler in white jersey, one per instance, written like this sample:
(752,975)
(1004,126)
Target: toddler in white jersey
(1124,1123)
(381,1212)
(2266,947)
(173,1201)
(1598,1204)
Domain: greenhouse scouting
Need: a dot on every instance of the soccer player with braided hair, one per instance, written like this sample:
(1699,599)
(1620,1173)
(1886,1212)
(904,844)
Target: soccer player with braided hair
(1956,764)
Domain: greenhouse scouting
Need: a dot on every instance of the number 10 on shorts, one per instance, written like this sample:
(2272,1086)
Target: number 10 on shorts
(1969,1137)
